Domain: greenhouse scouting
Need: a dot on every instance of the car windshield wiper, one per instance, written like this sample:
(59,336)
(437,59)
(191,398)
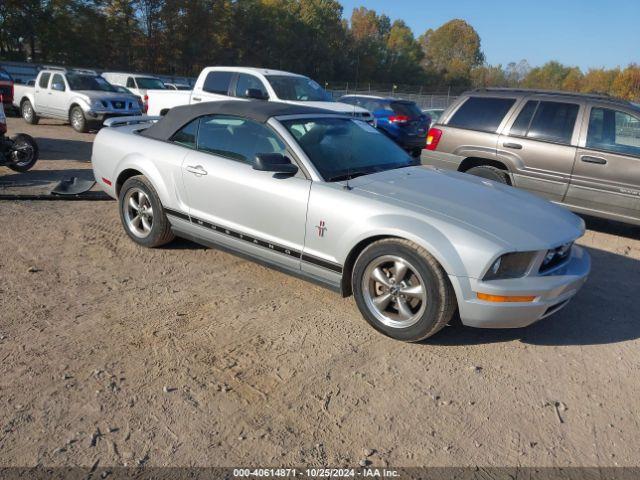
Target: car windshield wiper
(350,175)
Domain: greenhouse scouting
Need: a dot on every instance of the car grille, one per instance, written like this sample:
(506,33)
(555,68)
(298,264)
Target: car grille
(118,104)
(556,257)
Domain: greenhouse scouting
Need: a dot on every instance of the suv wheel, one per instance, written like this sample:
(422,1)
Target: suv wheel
(77,120)
(402,291)
(28,113)
(142,214)
(490,173)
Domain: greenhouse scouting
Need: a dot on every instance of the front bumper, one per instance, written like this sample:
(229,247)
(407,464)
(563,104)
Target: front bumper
(552,293)
(102,115)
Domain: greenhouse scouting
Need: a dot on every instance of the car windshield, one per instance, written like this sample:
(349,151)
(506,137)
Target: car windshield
(301,89)
(342,148)
(88,82)
(149,83)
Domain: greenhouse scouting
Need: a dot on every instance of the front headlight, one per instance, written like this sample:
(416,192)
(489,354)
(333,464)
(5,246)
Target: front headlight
(510,265)
(98,104)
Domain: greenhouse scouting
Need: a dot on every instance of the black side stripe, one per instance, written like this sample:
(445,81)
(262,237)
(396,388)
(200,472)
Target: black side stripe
(335,267)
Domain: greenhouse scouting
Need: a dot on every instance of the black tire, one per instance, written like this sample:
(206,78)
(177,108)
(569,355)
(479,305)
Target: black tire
(25,142)
(28,113)
(160,233)
(490,173)
(78,121)
(440,303)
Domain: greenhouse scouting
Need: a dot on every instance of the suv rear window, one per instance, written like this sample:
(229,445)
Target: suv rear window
(409,109)
(217,82)
(481,113)
(550,121)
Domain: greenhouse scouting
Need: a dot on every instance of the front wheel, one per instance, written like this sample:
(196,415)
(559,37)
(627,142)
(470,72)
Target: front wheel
(402,291)
(142,214)
(78,120)
(24,153)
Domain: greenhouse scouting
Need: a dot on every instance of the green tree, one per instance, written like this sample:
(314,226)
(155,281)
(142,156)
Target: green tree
(451,51)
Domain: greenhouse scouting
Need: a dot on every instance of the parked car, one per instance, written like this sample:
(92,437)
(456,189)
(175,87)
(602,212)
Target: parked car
(578,150)
(176,86)
(434,114)
(243,83)
(6,89)
(330,198)
(138,84)
(401,120)
(80,97)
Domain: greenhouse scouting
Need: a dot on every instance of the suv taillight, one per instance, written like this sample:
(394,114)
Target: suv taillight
(433,138)
(398,119)
(145,104)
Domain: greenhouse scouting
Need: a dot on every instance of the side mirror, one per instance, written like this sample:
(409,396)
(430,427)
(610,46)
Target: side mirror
(256,94)
(58,87)
(274,162)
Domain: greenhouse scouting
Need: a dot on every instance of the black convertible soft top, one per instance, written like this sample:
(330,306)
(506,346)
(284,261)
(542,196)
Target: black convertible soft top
(256,110)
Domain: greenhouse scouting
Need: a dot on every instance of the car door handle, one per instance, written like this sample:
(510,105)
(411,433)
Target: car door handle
(196,99)
(515,146)
(596,160)
(197,169)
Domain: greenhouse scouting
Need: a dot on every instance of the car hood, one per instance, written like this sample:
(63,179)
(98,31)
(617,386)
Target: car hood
(333,106)
(521,221)
(97,95)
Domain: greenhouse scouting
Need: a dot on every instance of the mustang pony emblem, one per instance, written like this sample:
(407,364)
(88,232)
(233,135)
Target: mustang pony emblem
(321,228)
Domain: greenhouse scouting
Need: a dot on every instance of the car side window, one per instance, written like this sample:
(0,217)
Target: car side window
(44,80)
(57,78)
(481,113)
(614,131)
(521,126)
(246,82)
(237,138)
(186,136)
(217,82)
(553,121)
(131,83)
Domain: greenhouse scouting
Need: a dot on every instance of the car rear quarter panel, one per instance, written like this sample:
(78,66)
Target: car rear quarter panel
(116,150)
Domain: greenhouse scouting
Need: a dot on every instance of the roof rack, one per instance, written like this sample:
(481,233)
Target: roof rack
(52,67)
(598,96)
(85,71)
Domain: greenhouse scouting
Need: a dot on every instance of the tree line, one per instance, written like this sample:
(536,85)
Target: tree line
(179,37)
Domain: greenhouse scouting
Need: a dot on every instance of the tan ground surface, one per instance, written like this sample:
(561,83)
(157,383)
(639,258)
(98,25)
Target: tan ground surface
(188,356)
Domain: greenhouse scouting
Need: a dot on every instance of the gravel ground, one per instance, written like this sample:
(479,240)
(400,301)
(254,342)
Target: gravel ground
(186,356)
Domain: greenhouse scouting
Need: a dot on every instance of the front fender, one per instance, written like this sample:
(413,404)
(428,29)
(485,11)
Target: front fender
(421,233)
(82,102)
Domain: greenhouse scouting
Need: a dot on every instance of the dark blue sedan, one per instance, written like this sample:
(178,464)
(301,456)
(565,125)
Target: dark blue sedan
(401,120)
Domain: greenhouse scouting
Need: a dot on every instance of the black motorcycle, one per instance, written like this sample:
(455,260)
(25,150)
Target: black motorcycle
(19,153)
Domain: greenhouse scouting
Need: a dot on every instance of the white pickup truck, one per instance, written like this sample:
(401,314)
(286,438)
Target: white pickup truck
(244,83)
(80,97)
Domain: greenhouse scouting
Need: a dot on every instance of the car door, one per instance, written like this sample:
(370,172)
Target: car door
(41,94)
(245,84)
(216,87)
(541,142)
(260,213)
(606,176)
(58,97)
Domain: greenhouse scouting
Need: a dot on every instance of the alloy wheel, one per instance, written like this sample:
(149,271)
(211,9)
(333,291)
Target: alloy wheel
(138,212)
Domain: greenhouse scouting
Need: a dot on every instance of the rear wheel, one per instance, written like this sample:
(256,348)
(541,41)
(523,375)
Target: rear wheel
(142,214)
(490,173)
(402,291)
(24,153)
(78,120)
(28,113)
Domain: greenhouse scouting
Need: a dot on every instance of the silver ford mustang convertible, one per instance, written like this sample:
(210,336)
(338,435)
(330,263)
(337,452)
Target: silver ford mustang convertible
(330,198)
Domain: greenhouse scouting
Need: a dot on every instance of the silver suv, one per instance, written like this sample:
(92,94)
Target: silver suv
(582,151)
